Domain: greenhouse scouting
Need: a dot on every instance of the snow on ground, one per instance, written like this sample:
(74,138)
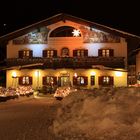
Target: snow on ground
(105,114)
(98,114)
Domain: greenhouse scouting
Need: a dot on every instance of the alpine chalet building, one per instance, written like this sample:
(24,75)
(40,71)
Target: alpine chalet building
(64,50)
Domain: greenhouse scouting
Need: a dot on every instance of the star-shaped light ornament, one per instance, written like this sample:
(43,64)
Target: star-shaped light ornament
(76,33)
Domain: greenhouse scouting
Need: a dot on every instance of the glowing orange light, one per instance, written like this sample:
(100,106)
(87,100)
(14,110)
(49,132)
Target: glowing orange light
(76,33)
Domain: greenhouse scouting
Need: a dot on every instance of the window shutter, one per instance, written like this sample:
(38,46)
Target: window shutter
(44,80)
(20,80)
(74,53)
(100,52)
(111,52)
(30,80)
(55,80)
(44,53)
(20,54)
(100,80)
(30,53)
(111,82)
(85,52)
(85,80)
(55,53)
(92,80)
(74,80)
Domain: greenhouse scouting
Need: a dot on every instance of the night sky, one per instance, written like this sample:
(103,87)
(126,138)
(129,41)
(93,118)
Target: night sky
(122,15)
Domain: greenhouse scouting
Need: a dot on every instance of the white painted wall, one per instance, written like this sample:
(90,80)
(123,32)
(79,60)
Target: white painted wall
(12,49)
(120,49)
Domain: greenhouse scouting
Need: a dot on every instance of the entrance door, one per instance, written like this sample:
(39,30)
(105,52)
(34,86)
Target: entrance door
(65,81)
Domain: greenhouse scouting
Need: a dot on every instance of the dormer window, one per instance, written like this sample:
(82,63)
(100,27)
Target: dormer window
(25,54)
(106,52)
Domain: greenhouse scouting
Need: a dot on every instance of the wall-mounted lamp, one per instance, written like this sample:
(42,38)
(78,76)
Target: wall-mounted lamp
(14,74)
(92,73)
(118,73)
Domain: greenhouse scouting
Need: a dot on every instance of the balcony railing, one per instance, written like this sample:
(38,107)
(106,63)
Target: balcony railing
(69,62)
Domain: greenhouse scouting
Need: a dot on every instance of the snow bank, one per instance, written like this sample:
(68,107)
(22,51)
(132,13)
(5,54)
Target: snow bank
(100,114)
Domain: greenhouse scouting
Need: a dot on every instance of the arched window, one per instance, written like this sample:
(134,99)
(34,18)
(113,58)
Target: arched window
(64,31)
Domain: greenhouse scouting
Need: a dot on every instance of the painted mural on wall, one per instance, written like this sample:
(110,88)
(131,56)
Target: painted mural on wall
(38,36)
(91,35)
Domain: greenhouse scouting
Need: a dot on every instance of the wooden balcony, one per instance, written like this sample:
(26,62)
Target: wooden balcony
(68,62)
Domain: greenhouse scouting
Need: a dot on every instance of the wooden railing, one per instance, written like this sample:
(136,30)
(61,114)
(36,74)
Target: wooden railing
(69,62)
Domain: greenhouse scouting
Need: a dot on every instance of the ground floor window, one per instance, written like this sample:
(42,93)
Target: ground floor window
(25,80)
(132,80)
(80,80)
(49,80)
(106,80)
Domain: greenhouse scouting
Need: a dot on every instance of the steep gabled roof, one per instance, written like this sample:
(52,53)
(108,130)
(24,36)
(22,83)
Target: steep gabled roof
(63,17)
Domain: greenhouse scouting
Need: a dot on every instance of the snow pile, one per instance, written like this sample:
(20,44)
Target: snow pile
(100,114)
(63,92)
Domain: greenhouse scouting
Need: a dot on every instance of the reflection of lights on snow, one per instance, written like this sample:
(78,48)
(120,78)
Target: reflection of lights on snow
(76,32)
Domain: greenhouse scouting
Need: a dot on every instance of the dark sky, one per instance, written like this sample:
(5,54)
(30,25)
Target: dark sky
(120,14)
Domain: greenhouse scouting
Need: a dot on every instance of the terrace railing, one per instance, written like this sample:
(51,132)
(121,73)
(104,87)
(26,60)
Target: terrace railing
(69,62)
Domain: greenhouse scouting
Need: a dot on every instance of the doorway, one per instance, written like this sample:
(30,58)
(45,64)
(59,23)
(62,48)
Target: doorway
(65,80)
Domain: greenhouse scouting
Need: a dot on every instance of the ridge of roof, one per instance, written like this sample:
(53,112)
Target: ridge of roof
(63,16)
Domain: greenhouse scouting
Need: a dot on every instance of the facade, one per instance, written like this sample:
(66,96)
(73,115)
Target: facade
(134,70)
(66,51)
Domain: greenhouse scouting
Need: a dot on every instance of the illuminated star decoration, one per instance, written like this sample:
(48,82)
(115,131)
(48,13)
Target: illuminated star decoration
(76,33)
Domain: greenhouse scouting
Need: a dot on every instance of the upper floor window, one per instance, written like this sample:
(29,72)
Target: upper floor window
(106,52)
(80,80)
(25,54)
(25,80)
(65,31)
(49,53)
(80,53)
(49,80)
(106,80)
(65,52)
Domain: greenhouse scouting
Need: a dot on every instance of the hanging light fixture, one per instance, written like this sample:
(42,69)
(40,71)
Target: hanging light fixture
(76,33)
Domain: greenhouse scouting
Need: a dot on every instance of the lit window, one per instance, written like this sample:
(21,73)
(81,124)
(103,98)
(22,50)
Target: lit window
(106,52)
(80,53)
(26,53)
(50,53)
(49,80)
(25,80)
(106,80)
